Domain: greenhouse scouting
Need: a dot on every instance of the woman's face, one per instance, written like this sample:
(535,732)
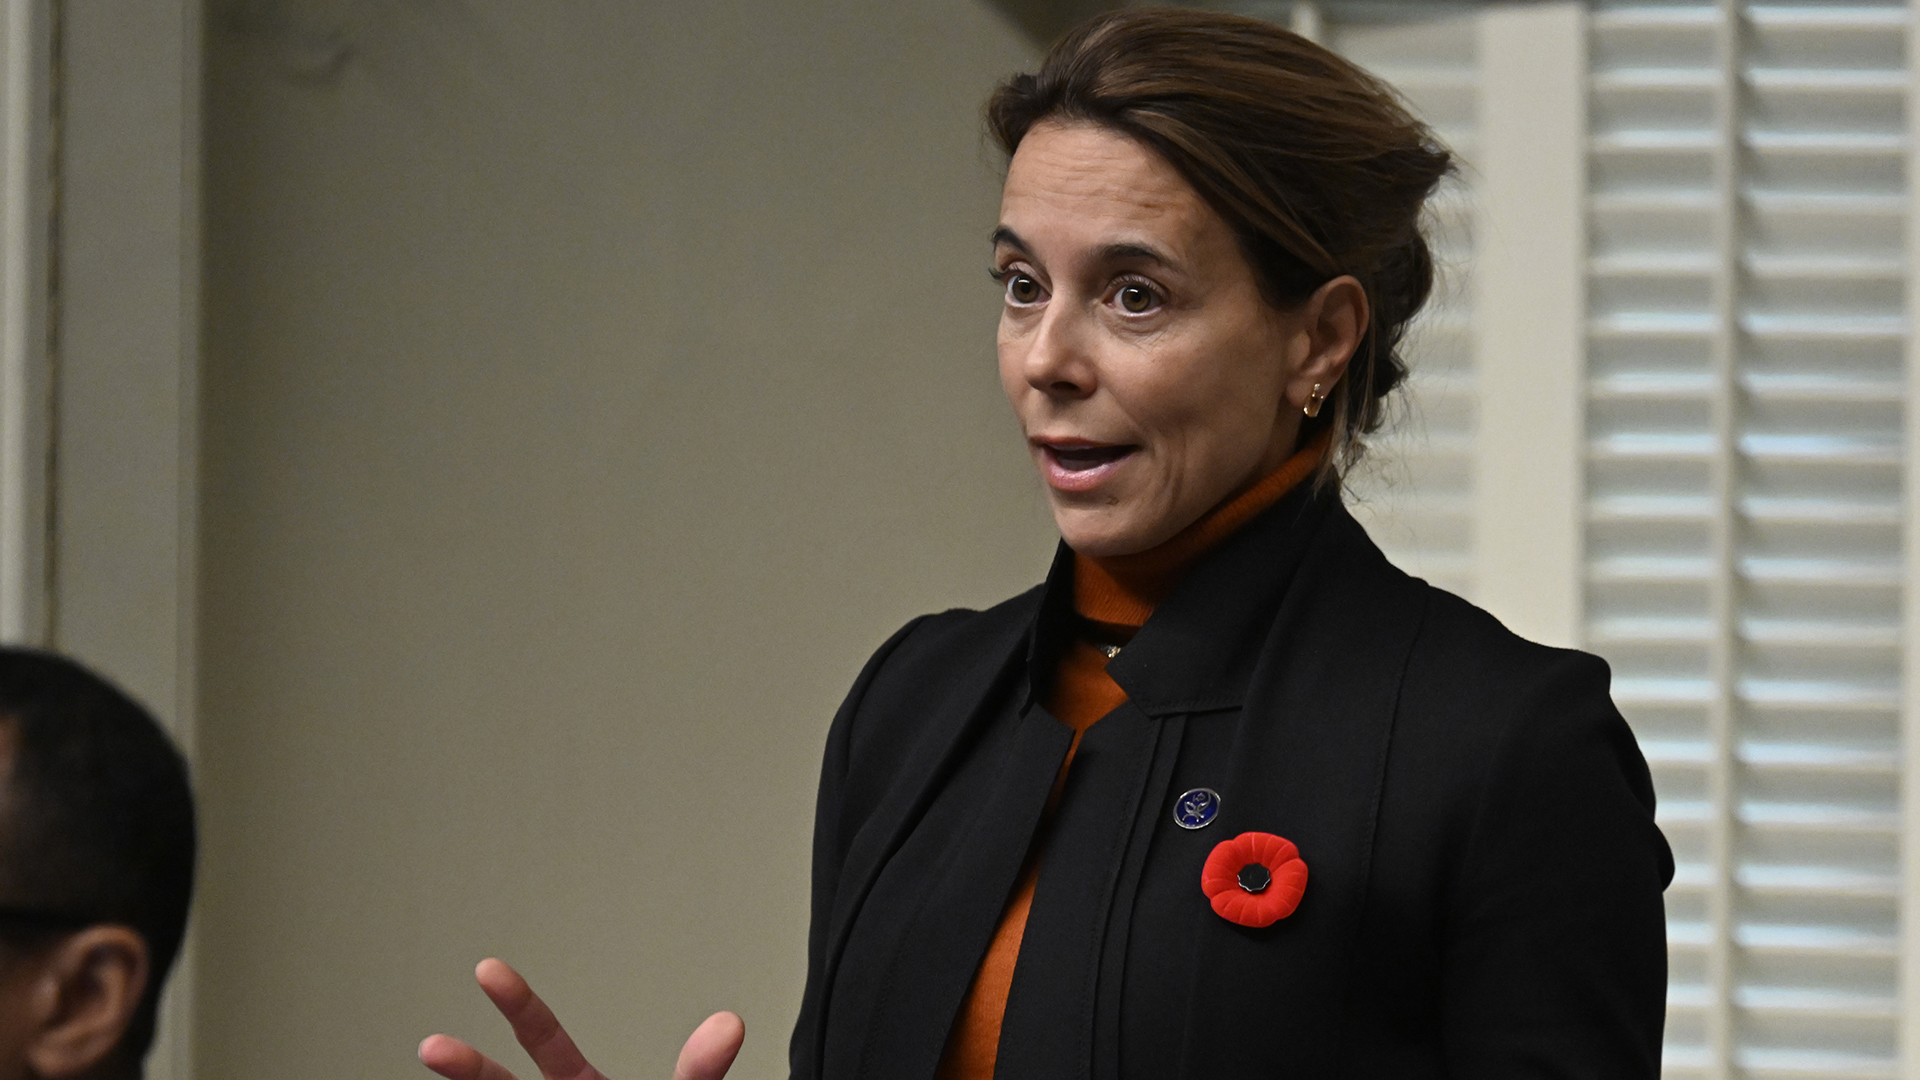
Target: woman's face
(1151,379)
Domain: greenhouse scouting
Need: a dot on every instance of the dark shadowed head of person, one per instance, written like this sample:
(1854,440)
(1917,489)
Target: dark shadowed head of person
(96,870)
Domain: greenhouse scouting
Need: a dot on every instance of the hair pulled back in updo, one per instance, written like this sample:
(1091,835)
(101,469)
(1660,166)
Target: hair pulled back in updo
(1316,165)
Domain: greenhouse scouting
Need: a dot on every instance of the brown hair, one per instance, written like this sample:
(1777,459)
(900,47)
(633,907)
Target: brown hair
(1316,165)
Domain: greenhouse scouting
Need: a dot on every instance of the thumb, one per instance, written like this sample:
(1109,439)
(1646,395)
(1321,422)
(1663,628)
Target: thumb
(711,1048)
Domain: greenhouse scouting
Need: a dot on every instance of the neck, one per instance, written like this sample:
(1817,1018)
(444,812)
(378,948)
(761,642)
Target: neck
(1123,590)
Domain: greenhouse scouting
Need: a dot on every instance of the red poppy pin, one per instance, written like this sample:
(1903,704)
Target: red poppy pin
(1255,879)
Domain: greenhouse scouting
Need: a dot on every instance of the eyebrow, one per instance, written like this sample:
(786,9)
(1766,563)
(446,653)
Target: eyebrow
(1119,252)
(1111,253)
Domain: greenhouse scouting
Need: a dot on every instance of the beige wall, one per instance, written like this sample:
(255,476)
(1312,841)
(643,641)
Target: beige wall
(589,388)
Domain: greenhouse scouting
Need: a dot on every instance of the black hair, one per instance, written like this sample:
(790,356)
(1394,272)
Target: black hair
(96,818)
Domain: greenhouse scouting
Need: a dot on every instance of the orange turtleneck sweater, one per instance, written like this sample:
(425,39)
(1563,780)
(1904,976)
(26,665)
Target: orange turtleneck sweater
(1116,595)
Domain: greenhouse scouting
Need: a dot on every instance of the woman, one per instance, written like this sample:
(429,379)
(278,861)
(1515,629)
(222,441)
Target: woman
(1228,795)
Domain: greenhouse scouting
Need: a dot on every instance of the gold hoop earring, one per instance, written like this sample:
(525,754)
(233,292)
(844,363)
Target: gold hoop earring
(1314,401)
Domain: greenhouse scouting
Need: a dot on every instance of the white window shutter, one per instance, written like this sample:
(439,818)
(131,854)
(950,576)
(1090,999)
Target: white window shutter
(1744,544)
(1909,977)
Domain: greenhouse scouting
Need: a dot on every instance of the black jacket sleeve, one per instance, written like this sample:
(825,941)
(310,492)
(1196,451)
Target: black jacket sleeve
(831,834)
(1555,960)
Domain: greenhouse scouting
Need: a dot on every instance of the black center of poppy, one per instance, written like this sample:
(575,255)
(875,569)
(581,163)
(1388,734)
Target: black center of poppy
(1255,877)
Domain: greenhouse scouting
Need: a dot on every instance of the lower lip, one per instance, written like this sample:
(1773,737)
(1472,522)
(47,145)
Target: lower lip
(1062,477)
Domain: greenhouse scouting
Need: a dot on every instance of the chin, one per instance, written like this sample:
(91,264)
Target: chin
(1103,535)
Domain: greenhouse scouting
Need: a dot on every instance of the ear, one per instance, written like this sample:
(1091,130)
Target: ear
(1331,324)
(86,992)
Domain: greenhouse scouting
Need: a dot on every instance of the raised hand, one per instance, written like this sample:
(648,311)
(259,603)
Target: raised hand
(708,1055)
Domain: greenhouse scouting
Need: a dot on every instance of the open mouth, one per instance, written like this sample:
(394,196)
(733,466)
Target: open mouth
(1082,458)
(1080,466)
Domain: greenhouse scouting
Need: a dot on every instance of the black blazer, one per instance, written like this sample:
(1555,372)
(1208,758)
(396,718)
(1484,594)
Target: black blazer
(1485,876)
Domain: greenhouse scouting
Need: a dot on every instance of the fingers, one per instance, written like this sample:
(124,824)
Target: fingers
(711,1048)
(534,1025)
(708,1054)
(456,1060)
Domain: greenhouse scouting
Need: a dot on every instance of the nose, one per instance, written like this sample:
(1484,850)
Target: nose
(1058,362)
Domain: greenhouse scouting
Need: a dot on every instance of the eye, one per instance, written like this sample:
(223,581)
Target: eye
(1135,299)
(1022,289)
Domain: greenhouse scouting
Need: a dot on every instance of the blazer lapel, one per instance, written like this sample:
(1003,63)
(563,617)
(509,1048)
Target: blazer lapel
(945,900)
(1049,1026)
